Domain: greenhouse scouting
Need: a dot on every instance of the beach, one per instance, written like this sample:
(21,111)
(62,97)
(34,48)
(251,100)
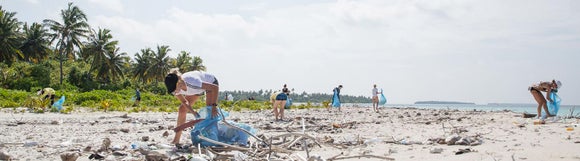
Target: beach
(351,134)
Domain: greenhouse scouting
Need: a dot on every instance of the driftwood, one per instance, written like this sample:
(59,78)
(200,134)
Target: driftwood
(187,125)
(528,115)
(337,157)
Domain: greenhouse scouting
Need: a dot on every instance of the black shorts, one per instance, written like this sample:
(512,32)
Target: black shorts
(216,82)
(533,89)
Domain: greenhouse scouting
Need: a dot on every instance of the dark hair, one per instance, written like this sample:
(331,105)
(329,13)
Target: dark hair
(171,82)
(340,86)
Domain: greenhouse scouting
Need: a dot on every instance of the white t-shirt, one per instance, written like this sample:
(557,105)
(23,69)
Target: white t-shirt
(375,90)
(193,81)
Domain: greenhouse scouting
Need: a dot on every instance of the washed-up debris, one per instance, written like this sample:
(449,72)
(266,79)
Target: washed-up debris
(436,150)
(69,156)
(463,151)
(4,156)
(106,144)
(96,156)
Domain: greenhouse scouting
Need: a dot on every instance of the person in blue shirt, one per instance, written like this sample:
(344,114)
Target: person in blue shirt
(137,97)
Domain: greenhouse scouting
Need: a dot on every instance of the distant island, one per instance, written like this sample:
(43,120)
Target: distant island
(442,102)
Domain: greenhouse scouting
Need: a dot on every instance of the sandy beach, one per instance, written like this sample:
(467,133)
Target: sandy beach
(351,134)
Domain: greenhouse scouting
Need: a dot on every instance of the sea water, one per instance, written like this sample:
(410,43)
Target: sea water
(565,110)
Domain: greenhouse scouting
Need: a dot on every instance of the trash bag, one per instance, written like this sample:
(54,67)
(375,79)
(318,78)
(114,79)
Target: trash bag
(382,98)
(554,106)
(335,100)
(58,104)
(288,103)
(231,135)
(216,130)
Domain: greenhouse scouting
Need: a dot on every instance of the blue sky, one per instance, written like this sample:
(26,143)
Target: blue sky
(469,50)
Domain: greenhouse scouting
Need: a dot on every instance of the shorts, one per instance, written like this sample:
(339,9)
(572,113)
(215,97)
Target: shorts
(533,89)
(282,97)
(375,98)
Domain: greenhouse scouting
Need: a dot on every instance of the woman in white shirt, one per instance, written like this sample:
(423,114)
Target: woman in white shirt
(187,87)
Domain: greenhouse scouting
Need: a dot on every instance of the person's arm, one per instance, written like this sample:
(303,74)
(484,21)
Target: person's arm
(186,104)
(211,91)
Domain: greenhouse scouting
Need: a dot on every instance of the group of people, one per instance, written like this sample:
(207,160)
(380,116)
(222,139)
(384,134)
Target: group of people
(189,86)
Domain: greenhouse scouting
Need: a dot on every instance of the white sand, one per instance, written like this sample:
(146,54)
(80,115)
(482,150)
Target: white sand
(47,136)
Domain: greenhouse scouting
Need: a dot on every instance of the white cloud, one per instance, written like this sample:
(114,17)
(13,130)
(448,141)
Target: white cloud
(112,5)
(32,1)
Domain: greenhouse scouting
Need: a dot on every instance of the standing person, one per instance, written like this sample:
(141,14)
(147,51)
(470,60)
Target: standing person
(375,98)
(187,88)
(548,87)
(47,93)
(280,102)
(336,97)
(137,97)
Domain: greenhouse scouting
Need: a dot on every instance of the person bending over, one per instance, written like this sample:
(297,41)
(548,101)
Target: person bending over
(280,102)
(187,88)
(548,87)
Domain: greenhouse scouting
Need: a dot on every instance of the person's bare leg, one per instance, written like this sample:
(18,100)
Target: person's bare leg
(541,102)
(282,105)
(181,116)
(276,106)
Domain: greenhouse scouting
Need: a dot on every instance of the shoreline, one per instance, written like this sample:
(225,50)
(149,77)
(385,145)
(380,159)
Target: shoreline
(401,134)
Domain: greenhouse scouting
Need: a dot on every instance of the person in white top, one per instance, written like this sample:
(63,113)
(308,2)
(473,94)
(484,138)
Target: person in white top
(187,87)
(375,98)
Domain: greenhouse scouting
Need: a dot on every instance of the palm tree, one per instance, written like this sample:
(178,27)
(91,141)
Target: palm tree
(183,61)
(198,64)
(102,52)
(68,33)
(36,45)
(10,37)
(98,47)
(112,66)
(142,64)
(159,63)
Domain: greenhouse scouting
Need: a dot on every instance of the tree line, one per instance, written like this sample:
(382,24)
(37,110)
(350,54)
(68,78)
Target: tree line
(69,54)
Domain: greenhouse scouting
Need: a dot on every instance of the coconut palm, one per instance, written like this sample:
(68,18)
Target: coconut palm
(68,33)
(10,37)
(96,50)
(103,55)
(142,64)
(159,63)
(197,64)
(111,68)
(36,45)
(183,61)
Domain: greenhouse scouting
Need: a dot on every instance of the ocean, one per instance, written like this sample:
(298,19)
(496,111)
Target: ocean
(565,110)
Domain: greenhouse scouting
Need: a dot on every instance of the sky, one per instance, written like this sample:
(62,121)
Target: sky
(466,50)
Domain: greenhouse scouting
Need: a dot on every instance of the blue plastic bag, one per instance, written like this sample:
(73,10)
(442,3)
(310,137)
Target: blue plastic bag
(554,106)
(335,100)
(58,104)
(214,129)
(288,103)
(382,99)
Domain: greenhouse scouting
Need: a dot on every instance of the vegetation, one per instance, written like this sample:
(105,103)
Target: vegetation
(86,66)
